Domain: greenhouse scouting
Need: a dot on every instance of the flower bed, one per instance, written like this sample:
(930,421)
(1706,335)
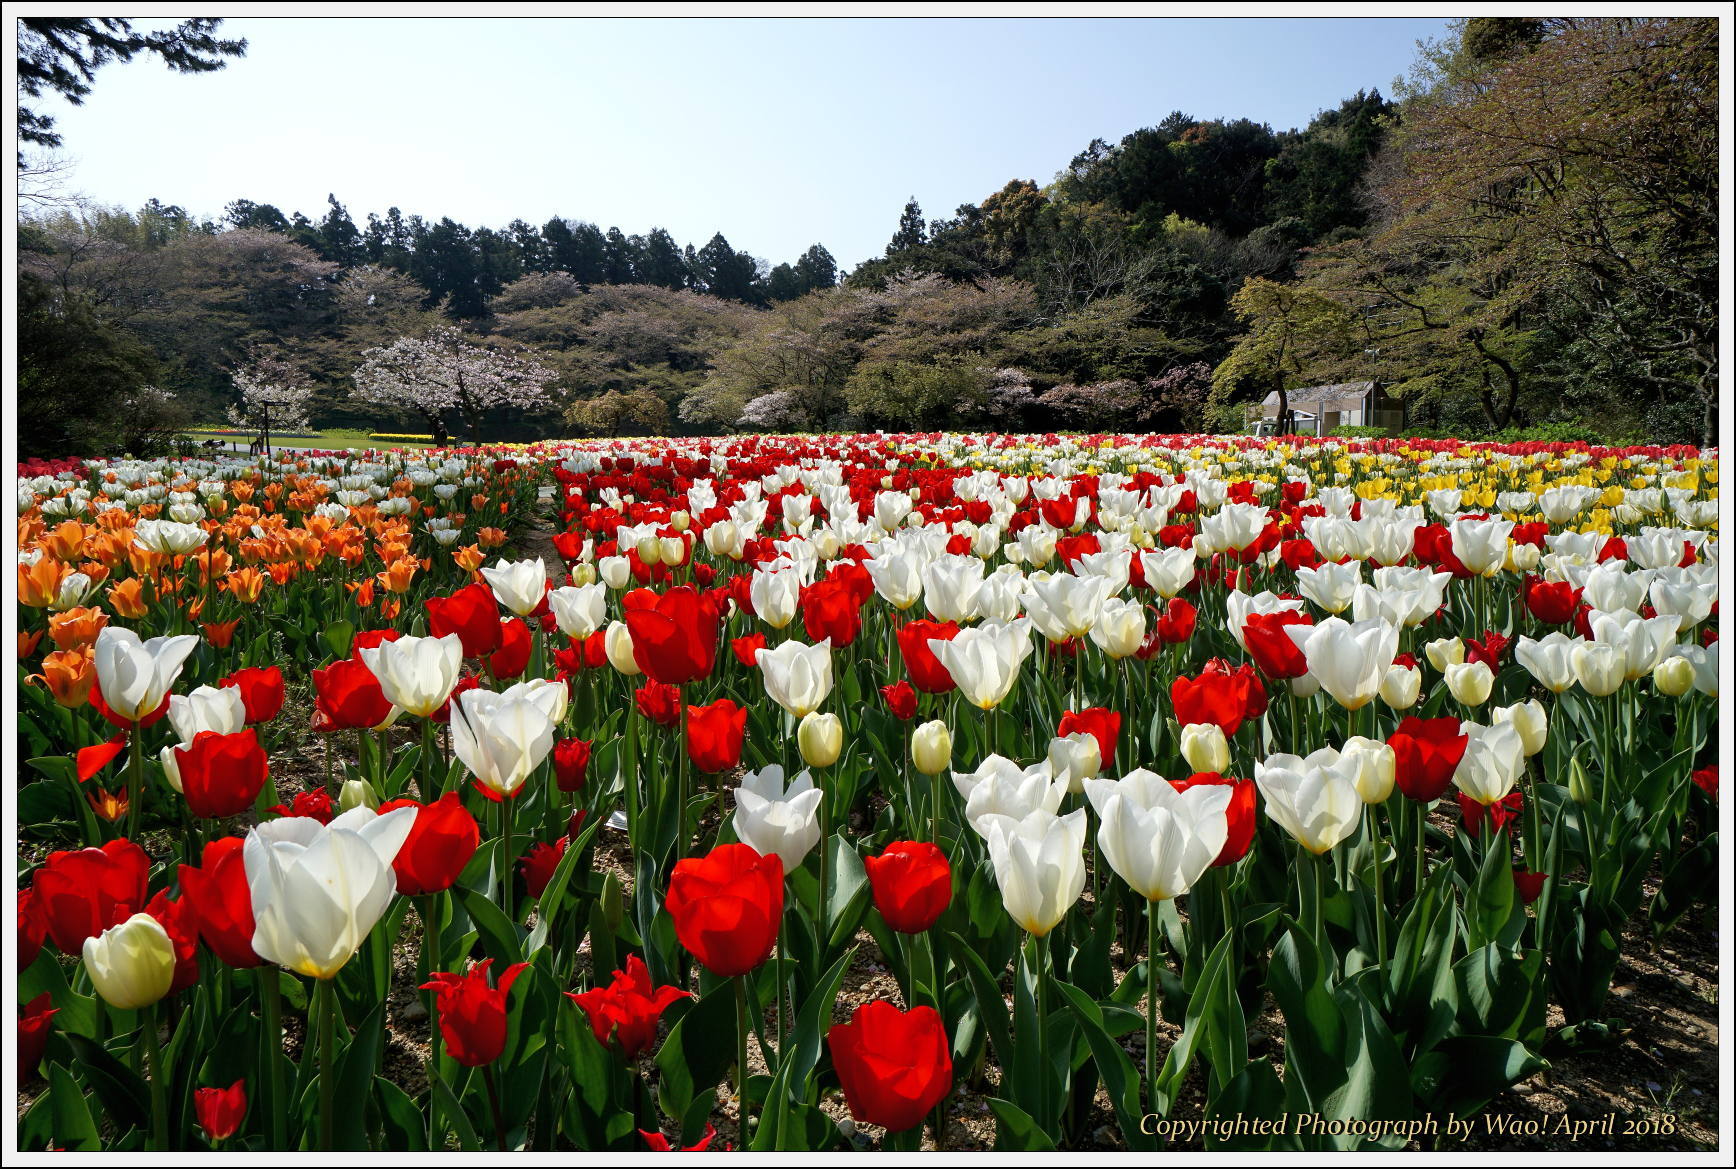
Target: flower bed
(1079,741)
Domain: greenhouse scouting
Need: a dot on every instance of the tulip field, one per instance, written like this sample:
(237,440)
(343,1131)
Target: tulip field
(557,797)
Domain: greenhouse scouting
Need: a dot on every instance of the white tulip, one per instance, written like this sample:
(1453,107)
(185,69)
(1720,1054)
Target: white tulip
(1039,865)
(319,889)
(1159,840)
(775,820)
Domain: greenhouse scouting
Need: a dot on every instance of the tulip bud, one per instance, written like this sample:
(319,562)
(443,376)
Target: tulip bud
(931,748)
(1077,757)
(650,549)
(132,964)
(1673,677)
(357,793)
(583,574)
(1470,682)
(1523,557)
(1600,668)
(616,572)
(1377,768)
(1448,651)
(172,771)
(672,550)
(618,645)
(1401,687)
(821,738)
(826,543)
(1531,720)
(679,521)
(1578,783)
(1204,747)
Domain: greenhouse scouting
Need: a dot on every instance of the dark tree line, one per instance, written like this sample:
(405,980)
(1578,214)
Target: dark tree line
(464,268)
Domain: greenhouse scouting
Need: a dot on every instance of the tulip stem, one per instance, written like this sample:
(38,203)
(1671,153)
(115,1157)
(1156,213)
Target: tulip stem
(426,761)
(741,1055)
(506,890)
(327,994)
(271,1007)
(1379,883)
(154,1065)
(1151,1005)
(494,1107)
(430,962)
(135,781)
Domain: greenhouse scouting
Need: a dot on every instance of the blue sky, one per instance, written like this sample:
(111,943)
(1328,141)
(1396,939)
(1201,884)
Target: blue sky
(780,133)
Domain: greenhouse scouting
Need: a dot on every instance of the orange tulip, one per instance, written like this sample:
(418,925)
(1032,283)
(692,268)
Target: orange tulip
(362,593)
(469,558)
(390,607)
(398,575)
(491,537)
(67,540)
(96,571)
(221,633)
(128,598)
(241,489)
(69,674)
(111,806)
(282,573)
(76,627)
(27,643)
(212,562)
(39,583)
(247,584)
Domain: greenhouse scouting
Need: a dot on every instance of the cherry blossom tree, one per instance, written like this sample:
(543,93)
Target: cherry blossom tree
(272,393)
(442,370)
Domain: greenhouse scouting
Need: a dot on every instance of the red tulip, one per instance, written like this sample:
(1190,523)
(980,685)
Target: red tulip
(510,660)
(33,1022)
(1529,884)
(80,894)
(894,1066)
(1498,813)
(1488,651)
(1706,779)
(746,649)
(659,702)
(727,906)
(926,672)
(181,924)
(1273,650)
(315,804)
(472,1013)
(347,696)
(714,735)
(572,757)
(1243,797)
(32,928)
(221,904)
(1224,698)
(581,654)
(90,760)
(1551,601)
(220,1110)
(261,691)
(371,639)
(1101,724)
(900,700)
(658,1143)
(221,775)
(473,614)
(831,608)
(1426,752)
(443,837)
(628,1008)
(675,641)
(1175,624)
(538,865)
(912,884)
